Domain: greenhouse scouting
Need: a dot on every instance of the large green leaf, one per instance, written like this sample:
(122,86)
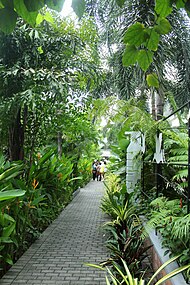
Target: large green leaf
(78,7)
(6,195)
(163,26)
(153,41)
(55,4)
(163,8)
(130,55)
(145,58)
(10,173)
(8,19)
(152,80)
(135,34)
(29,17)
(33,5)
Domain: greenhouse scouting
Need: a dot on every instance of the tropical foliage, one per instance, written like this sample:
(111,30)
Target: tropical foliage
(50,73)
(124,231)
(48,139)
(126,277)
(170,219)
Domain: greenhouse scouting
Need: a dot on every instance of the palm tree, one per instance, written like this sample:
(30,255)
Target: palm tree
(171,57)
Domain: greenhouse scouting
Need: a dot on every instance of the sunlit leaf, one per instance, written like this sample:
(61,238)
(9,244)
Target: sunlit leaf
(152,80)
(40,50)
(48,17)
(39,19)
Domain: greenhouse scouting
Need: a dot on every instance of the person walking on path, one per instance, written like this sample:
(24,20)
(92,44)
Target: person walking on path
(101,171)
(94,170)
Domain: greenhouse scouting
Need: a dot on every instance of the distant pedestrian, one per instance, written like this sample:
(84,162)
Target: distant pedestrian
(105,168)
(98,171)
(101,171)
(94,170)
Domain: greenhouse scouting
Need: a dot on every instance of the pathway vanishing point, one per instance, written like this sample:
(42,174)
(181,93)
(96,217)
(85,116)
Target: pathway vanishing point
(74,238)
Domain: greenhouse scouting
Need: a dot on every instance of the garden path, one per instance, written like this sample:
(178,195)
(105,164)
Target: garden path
(74,238)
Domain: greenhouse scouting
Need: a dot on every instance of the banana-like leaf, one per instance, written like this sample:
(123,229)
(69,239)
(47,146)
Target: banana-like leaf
(6,195)
(11,173)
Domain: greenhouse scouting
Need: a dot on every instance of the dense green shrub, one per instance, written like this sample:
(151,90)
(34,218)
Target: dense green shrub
(31,196)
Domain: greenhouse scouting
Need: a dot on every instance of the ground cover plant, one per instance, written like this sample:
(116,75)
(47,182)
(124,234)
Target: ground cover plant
(126,277)
(125,236)
(124,232)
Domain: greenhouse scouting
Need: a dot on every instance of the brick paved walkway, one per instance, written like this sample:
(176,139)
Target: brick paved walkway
(75,237)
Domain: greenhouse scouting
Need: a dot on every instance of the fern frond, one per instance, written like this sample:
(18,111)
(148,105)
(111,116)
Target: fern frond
(181,228)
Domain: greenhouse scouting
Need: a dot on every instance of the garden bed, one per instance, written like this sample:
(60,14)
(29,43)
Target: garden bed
(158,257)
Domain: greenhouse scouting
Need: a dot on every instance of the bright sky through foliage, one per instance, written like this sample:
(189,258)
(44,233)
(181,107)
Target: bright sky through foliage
(67,9)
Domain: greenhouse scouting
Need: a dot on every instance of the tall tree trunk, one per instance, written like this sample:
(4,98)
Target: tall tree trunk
(59,143)
(159,104)
(153,105)
(16,136)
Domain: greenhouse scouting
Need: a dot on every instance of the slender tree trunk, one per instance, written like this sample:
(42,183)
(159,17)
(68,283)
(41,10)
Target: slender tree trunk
(59,143)
(16,136)
(153,103)
(160,104)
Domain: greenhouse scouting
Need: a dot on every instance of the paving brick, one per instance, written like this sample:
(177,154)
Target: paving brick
(74,238)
